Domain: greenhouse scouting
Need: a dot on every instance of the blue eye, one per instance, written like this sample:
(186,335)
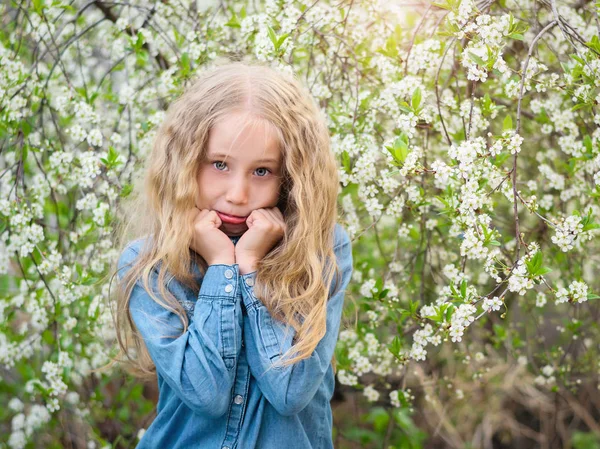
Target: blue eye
(218,162)
(263,168)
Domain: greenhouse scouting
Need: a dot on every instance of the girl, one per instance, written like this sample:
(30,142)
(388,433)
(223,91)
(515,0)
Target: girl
(232,295)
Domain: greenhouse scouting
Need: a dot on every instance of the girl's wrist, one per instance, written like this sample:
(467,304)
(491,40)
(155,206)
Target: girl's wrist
(221,262)
(223,259)
(246,266)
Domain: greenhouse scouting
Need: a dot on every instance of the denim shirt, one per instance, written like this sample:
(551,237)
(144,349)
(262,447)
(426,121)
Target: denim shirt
(217,386)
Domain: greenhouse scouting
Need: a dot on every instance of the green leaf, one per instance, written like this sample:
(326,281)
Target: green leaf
(184,64)
(507,124)
(442,6)
(577,58)
(589,226)
(413,306)
(477,59)
(501,158)
(48,336)
(594,44)
(272,36)
(281,40)
(500,331)
(391,48)
(346,162)
(414,234)
(449,312)
(379,417)
(399,150)
(395,346)
(491,58)
(361,436)
(126,190)
(453,290)
(416,99)
(579,106)
(89,280)
(139,42)
(38,6)
(587,142)
(26,127)
(435,318)
(111,158)
(404,107)
(585,440)
(378,285)
(536,261)
(487,105)
(141,58)
(233,22)
(123,413)
(463,288)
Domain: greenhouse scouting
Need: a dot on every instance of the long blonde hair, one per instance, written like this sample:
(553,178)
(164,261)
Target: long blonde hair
(293,279)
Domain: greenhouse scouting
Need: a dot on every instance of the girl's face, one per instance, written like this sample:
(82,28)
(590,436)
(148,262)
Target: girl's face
(242,170)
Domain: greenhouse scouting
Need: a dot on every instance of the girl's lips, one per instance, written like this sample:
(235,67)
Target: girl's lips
(230,218)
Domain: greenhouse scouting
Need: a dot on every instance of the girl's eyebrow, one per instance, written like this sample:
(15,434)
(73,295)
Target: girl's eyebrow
(275,161)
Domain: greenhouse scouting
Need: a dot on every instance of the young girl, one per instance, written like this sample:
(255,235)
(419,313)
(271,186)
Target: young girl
(232,294)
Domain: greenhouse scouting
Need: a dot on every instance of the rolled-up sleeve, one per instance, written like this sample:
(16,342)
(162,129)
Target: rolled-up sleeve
(198,364)
(290,388)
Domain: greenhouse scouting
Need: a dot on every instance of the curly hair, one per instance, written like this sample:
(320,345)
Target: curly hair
(293,279)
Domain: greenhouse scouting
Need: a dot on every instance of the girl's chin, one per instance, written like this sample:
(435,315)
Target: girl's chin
(233,230)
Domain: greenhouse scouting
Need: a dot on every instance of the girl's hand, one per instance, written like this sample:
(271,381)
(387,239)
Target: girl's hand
(209,241)
(266,227)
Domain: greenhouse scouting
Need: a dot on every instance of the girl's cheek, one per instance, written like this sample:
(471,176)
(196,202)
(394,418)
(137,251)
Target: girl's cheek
(272,191)
(210,176)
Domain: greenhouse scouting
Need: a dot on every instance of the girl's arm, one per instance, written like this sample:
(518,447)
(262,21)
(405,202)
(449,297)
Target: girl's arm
(290,388)
(200,364)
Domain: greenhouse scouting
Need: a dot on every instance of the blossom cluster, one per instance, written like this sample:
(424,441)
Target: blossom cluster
(577,291)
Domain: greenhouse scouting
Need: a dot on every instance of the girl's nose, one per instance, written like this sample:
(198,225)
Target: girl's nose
(237,191)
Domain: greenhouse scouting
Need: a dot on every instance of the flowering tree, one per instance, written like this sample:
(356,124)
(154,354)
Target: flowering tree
(469,150)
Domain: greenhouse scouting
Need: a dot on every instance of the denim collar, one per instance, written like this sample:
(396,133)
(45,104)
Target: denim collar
(235,239)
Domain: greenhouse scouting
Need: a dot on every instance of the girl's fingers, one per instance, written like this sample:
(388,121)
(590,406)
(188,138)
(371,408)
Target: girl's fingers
(278,213)
(276,218)
(271,215)
(279,217)
(208,216)
(257,213)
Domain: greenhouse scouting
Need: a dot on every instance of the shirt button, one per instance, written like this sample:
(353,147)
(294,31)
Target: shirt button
(249,282)
(228,274)
(228,288)
(238,399)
